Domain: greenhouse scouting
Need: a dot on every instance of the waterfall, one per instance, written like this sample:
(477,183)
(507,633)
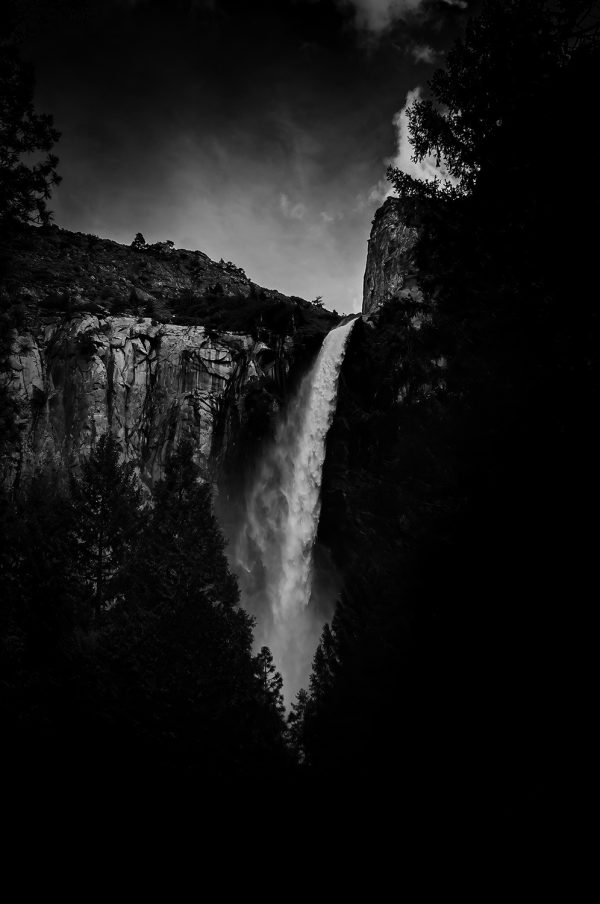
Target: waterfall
(273,555)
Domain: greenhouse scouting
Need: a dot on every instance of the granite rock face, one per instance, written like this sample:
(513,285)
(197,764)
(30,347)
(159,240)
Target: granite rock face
(150,342)
(390,269)
(149,383)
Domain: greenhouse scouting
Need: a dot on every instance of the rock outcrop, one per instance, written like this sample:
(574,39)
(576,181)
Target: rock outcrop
(391,270)
(149,383)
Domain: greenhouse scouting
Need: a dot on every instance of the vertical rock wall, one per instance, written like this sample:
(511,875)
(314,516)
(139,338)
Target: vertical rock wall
(150,384)
(390,270)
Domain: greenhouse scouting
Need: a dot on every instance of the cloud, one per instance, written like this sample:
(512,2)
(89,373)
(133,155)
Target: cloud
(424,53)
(377,16)
(327,217)
(291,211)
(402,159)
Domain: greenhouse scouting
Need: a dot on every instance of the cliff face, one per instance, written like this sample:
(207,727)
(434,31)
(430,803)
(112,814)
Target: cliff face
(153,344)
(390,270)
(149,383)
(392,379)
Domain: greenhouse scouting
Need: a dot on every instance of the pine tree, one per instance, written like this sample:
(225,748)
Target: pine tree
(493,105)
(24,189)
(270,679)
(297,722)
(197,685)
(189,637)
(324,663)
(188,562)
(106,503)
(35,557)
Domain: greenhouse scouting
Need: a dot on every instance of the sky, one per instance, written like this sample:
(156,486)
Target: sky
(257,132)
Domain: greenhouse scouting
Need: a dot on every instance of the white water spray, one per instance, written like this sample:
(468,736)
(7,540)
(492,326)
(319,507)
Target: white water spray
(273,556)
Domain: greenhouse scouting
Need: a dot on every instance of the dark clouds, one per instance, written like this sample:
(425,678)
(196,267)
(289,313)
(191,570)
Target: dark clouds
(256,132)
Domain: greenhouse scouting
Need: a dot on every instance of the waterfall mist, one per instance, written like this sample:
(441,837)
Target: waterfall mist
(273,552)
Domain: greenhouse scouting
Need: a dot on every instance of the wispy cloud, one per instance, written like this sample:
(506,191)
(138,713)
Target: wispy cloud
(424,53)
(378,16)
(290,210)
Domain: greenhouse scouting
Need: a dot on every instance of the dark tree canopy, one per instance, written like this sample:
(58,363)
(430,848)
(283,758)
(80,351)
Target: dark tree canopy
(498,97)
(454,666)
(270,680)
(106,502)
(124,652)
(26,181)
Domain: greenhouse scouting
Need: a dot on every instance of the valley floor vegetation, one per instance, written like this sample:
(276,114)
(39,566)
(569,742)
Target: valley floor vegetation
(124,650)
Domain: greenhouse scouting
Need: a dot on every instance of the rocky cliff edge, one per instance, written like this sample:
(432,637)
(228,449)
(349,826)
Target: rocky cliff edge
(391,270)
(151,343)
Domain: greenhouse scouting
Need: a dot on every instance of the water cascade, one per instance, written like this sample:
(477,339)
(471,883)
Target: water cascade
(273,554)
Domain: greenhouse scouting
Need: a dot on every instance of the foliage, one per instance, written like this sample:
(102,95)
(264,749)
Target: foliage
(251,314)
(459,467)
(184,544)
(106,503)
(124,651)
(161,249)
(24,188)
(231,268)
(518,51)
(270,680)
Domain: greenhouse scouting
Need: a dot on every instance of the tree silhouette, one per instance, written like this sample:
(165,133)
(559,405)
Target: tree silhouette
(190,642)
(161,681)
(270,679)
(106,507)
(471,124)
(24,189)
(470,498)
(297,723)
